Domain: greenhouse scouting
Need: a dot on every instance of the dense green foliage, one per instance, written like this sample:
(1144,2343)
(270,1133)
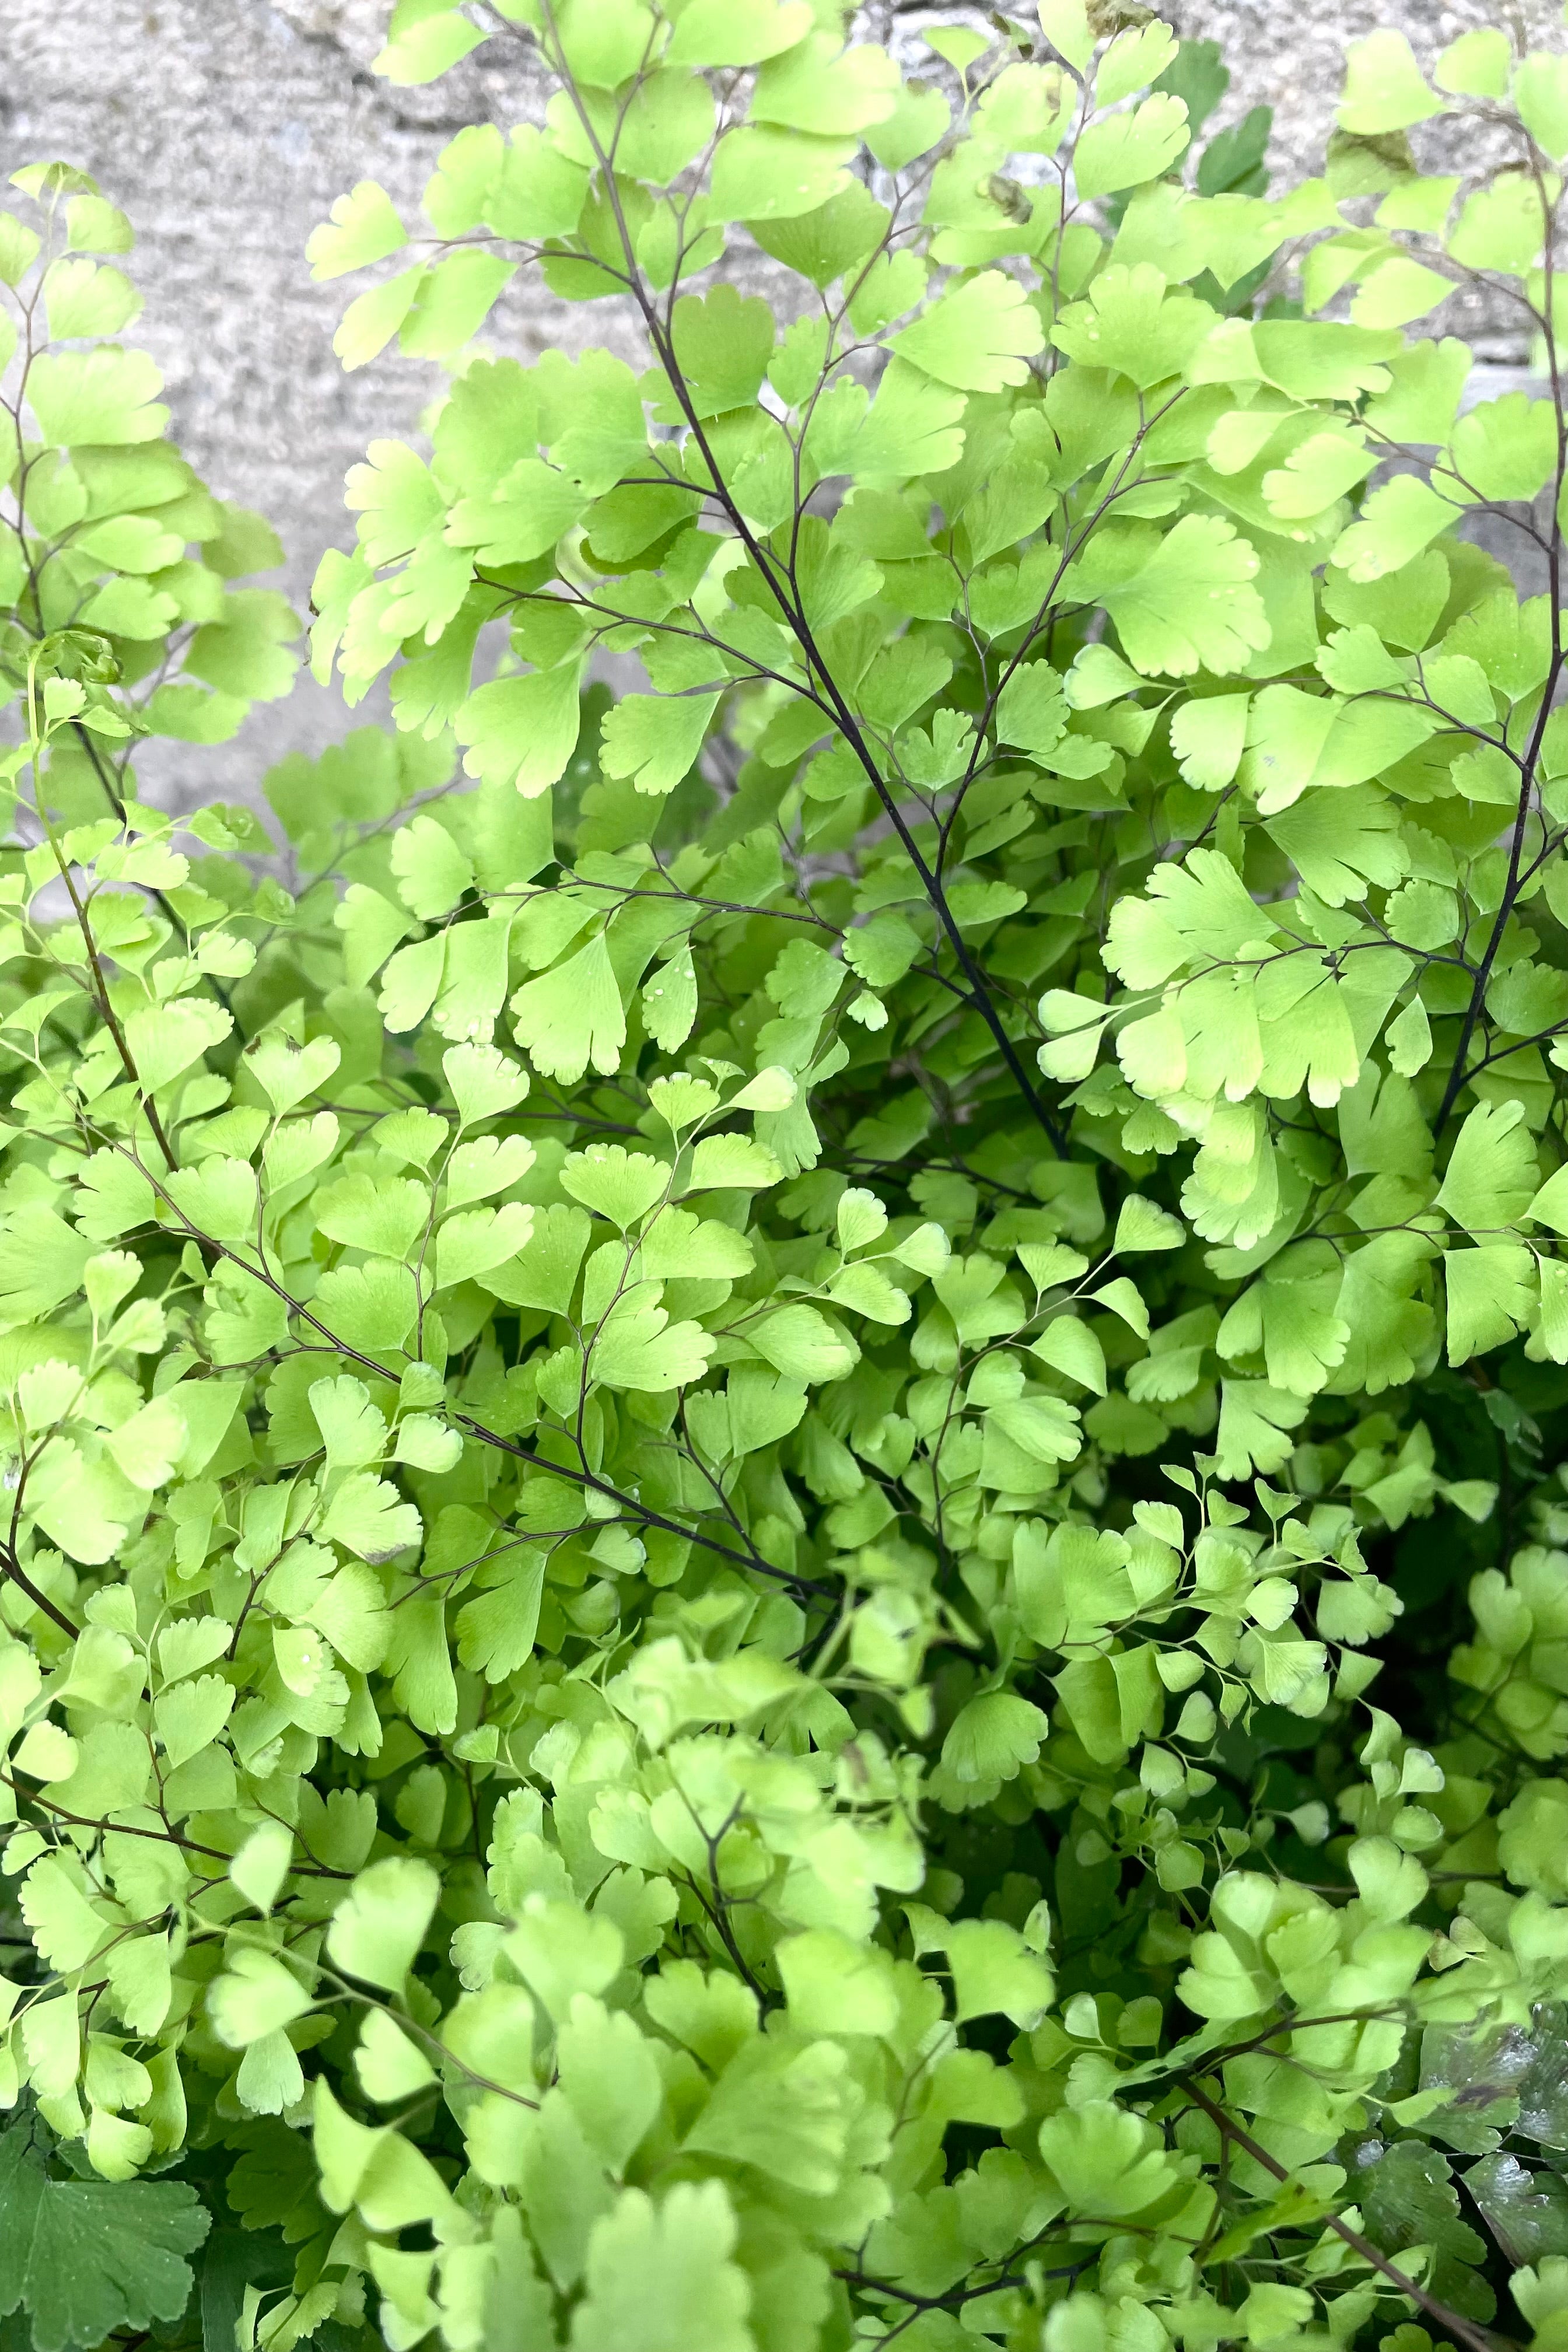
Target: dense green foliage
(784,1565)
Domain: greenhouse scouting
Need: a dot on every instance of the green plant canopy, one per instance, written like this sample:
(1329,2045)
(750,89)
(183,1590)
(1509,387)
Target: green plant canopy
(784,1564)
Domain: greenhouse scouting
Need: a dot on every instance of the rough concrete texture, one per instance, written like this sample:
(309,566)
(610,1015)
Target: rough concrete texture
(226,128)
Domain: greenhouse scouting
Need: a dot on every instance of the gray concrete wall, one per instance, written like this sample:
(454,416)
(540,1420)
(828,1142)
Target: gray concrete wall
(226,128)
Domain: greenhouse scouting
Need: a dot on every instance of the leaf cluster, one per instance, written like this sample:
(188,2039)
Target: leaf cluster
(782,1557)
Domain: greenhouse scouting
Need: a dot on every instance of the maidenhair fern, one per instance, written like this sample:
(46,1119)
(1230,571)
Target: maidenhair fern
(784,1564)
